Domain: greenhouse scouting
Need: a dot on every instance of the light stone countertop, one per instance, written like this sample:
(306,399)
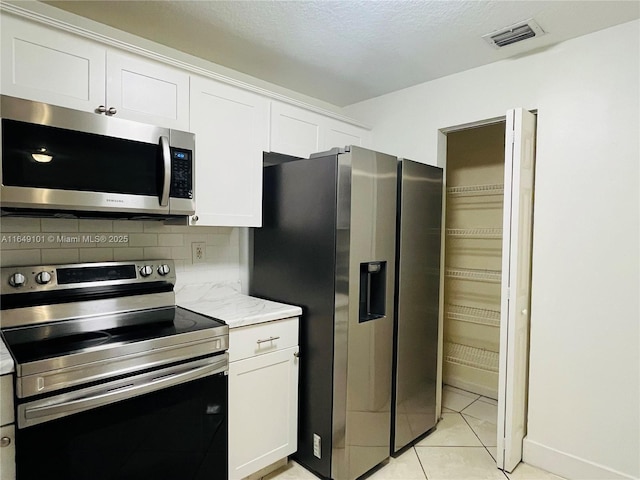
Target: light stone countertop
(6,361)
(224,301)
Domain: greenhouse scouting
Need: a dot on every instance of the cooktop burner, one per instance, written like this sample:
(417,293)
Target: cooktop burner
(42,342)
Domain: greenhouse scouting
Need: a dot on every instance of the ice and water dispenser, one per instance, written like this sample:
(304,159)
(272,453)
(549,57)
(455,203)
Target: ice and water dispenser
(373,290)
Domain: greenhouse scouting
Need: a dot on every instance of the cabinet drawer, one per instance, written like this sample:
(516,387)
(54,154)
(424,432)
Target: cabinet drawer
(6,399)
(245,342)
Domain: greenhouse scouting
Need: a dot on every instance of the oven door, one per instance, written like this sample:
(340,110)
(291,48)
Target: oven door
(169,424)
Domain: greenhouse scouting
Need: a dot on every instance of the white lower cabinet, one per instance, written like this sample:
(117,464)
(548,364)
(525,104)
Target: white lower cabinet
(7,430)
(7,452)
(263,396)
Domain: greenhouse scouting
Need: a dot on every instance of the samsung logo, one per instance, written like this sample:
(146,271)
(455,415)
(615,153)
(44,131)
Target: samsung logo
(112,200)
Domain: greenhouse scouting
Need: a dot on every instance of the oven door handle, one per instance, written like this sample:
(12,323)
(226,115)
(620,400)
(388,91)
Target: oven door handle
(32,414)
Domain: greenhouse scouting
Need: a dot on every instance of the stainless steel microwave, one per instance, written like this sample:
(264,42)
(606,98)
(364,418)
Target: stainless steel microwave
(58,160)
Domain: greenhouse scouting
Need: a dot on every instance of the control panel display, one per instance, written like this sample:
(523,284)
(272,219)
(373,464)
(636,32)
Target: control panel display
(181,173)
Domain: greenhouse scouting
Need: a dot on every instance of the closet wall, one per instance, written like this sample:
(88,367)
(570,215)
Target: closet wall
(473,252)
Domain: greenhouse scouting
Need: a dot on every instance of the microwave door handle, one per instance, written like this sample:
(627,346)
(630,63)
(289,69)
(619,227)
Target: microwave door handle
(166,159)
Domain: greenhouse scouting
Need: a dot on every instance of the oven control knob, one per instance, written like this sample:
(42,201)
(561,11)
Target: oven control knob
(17,280)
(43,278)
(146,271)
(164,269)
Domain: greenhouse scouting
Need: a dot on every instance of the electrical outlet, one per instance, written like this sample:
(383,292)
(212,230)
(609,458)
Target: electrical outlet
(198,252)
(316,446)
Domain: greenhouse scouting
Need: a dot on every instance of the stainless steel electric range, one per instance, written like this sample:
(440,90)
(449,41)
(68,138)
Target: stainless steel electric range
(113,381)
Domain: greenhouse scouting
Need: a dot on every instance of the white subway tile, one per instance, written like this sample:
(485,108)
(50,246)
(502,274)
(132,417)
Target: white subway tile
(183,253)
(170,240)
(157,253)
(218,239)
(55,256)
(85,225)
(195,237)
(19,257)
(128,226)
(19,225)
(156,227)
(96,254)
(143,240)
(59,225)
(128,253)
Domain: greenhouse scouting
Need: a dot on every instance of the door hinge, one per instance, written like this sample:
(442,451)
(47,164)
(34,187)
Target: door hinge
(511,137)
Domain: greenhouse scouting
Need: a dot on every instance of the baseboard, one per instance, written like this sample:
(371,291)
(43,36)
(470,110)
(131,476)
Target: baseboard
(566,465)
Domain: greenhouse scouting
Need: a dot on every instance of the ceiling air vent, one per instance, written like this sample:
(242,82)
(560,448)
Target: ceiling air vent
(515,33)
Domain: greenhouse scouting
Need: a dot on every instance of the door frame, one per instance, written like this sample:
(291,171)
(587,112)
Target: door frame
(442,162)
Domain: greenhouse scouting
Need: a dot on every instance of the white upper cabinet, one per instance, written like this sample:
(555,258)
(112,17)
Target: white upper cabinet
(146,91)
(341,134)
(233,125)
(295,131)
(232,129)
(299,132)
(51,66)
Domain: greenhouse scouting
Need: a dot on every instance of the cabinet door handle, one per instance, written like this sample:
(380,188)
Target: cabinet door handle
(5,441)
(112,111)
(270,339)
(296,354)
(101,109)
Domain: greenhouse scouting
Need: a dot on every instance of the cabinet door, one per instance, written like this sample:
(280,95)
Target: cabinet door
(295,131)
(46,65)
(6,399)
(7,453)
(147,91)
(263,411)
(231,127)
(340,134)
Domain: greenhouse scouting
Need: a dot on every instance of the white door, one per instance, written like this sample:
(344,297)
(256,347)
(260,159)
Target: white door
(516,286)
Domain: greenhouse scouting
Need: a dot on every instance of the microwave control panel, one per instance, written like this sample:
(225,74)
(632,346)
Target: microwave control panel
(181,173)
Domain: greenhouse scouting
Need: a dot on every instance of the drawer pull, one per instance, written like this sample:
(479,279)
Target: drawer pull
(270,339)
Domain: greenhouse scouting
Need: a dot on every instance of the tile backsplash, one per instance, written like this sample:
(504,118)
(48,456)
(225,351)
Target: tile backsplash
(33,241)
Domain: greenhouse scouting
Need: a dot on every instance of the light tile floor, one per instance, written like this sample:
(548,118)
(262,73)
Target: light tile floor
(463,447)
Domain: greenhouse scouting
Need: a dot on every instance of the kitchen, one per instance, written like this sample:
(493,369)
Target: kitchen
(586,112)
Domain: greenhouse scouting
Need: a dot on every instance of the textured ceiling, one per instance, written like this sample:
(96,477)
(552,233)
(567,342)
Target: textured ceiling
(343,52)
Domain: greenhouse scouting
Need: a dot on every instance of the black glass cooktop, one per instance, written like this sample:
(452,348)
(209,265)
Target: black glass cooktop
(29,344)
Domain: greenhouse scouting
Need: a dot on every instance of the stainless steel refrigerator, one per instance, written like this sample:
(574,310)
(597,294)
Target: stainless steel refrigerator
(417,295)
(328,244)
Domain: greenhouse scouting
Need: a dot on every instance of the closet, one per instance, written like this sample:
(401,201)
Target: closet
(473,257)
(490,172)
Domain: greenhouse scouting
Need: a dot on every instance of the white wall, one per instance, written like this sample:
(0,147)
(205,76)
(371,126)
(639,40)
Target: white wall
(584,365)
